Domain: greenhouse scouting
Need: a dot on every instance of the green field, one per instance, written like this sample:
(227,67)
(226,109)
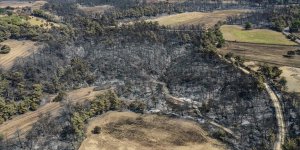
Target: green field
(262,36)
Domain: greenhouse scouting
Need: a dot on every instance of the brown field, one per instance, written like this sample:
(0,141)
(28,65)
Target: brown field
(263,53)
(130,131)
(19,49)
(95,9)
(194,18)
(21,4)
(24,122)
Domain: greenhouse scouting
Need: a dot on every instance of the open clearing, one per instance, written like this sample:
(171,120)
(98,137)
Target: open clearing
(24,122)
(195,18)
(263,53)
(21,4)
(19,49)
(292,76)
(131,131)
(263,36)
(95,9)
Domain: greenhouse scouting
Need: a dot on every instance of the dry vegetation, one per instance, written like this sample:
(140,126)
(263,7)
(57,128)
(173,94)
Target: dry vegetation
(194,18)
(35,21)
(127,130)
(95,9)
(24,122)
(272,54)
(21,4)
(19,49)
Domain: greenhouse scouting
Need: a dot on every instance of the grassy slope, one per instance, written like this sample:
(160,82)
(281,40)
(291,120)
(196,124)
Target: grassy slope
(263,36)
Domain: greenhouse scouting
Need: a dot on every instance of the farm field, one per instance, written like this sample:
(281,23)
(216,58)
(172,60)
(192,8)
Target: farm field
(128,130)
(194,18)
(263,36)
(256,54)
(24,122)
(21,4)
(263,53)
(19,49)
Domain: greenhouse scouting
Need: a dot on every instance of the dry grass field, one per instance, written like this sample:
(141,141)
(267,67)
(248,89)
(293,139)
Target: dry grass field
(263,36)
(24,122)
(194,18)
(292,76)
(19,49)
(95,9)
(130,131)
(263,53)
(21,4)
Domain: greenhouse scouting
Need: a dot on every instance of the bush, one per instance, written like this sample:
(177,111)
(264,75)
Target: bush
(137,106)
(97,130)
(291,53)
(229,55)
(5,49)
(248,26)
(60,97)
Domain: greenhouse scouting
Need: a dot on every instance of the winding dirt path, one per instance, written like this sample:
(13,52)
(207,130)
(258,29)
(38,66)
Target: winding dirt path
(279,116)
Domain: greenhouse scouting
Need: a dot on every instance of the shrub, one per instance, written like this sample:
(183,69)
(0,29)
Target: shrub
(229,55)
(5,49)
(60,97)
(137,106)
(248,26)
(97,130)
(291,53)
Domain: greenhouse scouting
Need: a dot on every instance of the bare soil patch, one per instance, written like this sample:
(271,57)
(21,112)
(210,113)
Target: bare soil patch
(263,53)
(127,130)
(19,49)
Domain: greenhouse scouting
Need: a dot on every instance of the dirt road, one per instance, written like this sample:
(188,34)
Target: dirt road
(279,116)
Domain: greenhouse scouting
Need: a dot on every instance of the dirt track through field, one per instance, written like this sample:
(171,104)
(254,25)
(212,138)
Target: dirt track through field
(24,122)
(19,49)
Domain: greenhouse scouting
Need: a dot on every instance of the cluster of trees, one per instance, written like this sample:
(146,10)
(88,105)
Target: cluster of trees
(16,27)
(17,96)
(43,14)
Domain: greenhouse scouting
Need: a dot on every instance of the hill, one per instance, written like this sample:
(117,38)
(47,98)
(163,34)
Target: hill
(127,130)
